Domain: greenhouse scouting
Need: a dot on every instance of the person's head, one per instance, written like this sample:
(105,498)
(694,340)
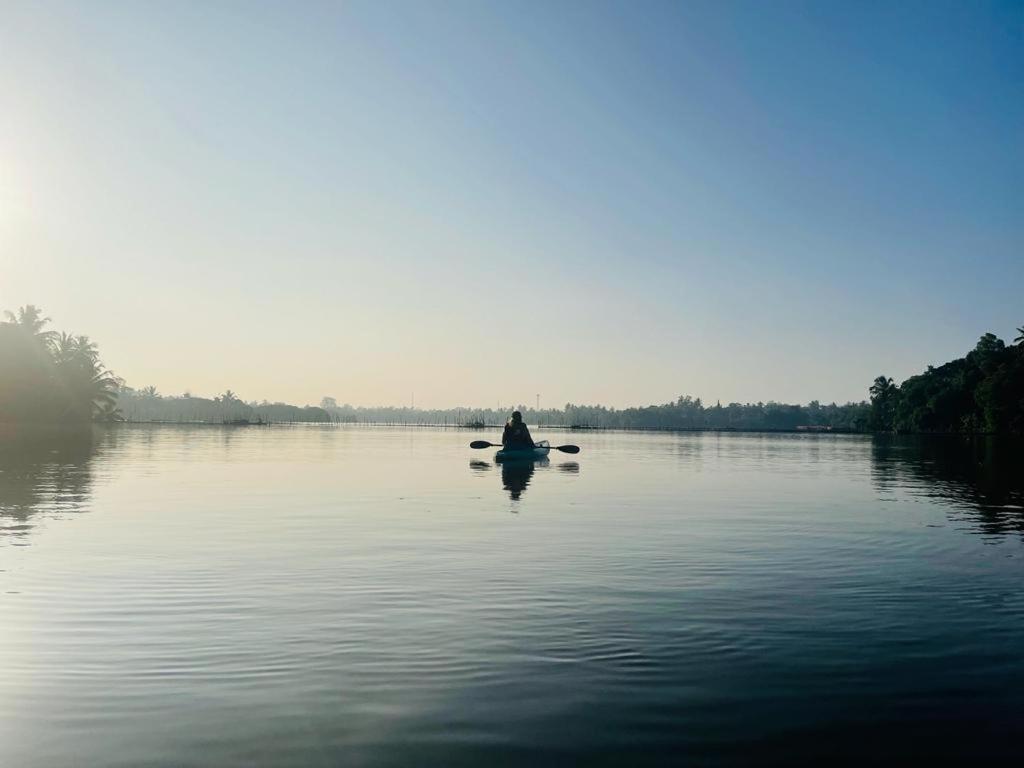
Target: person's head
(517,417)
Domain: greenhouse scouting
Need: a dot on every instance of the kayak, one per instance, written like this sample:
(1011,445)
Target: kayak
(539,451)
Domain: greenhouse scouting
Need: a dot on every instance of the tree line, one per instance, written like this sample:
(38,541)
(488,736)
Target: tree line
(47,376)
(52,377)
(983,392)
(148,405)
(683,413)
(980,392)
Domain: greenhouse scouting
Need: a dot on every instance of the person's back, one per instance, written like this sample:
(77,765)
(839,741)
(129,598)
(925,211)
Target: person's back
(516,434)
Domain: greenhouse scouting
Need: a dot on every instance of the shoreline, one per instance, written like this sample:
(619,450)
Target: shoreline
(9,429)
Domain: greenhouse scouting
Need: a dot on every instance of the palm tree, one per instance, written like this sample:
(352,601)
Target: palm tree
(31,321)
(882,388)
(28,317)
(64,348)
(87,349)
(1020,336)
(87,389)
(883,403)
(228,397)
(91,394)
(102,392)
(108,412)
(58,376)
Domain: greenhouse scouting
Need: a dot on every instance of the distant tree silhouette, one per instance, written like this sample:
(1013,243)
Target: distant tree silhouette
(49,376)
(980,392)
(30,320)
(46,376)
(883,392)
(882,387)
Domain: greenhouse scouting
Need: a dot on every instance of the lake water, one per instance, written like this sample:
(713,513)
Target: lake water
(326,596)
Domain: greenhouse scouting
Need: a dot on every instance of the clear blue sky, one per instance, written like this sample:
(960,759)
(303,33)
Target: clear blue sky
(614,202)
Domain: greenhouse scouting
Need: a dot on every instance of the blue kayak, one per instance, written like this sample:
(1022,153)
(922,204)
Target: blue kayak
(539,451)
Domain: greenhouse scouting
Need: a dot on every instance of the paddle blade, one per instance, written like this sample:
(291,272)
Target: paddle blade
(568,448)
(480,444)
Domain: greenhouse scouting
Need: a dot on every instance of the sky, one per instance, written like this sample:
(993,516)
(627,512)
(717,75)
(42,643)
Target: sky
(472,203)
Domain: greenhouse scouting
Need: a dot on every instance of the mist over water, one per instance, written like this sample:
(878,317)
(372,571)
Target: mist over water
(324,595)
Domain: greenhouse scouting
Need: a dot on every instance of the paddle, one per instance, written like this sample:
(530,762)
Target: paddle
(562,448)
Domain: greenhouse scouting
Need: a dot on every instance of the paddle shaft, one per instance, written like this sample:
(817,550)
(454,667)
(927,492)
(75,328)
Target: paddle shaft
(562,448)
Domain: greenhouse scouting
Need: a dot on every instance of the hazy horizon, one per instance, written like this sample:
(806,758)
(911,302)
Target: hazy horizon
(477,203)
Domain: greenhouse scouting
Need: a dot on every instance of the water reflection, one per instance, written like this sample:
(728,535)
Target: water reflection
(47,471)
(688,599)
(516,475)
(980,478)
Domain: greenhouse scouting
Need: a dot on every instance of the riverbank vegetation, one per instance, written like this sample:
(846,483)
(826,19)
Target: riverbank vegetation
(50,377)
(47,376)
(980,392)
(683,413)
(147,404)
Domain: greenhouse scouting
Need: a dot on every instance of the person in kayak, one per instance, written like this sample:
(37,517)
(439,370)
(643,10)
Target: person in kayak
(516,435)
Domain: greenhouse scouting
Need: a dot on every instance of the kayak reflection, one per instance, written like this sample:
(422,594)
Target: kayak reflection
(516,474)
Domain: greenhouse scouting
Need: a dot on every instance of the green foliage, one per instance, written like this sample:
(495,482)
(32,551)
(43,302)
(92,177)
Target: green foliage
(51,377)
(58,377)
(689,413)
(683,413)
(147,404)
(981,392)
(883,402)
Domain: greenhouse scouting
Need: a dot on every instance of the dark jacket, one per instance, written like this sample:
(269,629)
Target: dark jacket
(516,436)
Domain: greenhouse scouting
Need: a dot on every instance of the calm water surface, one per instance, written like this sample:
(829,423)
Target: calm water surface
(186,596)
